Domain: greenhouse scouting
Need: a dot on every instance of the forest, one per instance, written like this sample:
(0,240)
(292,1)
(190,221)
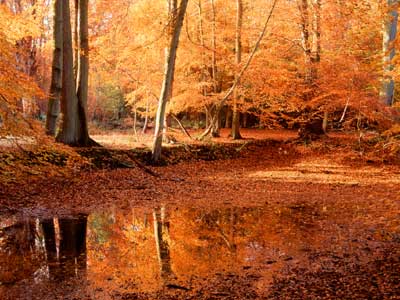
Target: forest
(199,149)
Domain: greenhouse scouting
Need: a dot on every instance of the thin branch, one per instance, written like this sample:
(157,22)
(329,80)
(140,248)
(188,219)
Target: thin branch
(181,126)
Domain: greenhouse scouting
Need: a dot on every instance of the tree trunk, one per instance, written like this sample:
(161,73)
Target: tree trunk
(207,112)
(325,122)
(83,72)
(215,120)
(74,129)
(135,121)
(228,117)
(311,40)
(317,31)
(167,82)
(214,47)
(70,131)
(305,32)
(53,109)
(316,41)
(215,132)
(76,38)
(244,120)
(146,118)
(238,59)
(389,51)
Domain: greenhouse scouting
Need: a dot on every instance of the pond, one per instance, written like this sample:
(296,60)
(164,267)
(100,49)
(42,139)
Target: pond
(175,251)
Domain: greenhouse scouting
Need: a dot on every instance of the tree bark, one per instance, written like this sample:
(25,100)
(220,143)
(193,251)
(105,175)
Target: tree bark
(53,109)
(76,38)
(305,32)
(69,133)
(244,120)
(83,72)
(216,125)
(389,51)
(146,118)
(167,82)
(228,117)
(238,59)
(74,129)
(215,131)
(317,31)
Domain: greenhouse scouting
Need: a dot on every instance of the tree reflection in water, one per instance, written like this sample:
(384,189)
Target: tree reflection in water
(70,259)
(144,251)
(161,235)
(19,254)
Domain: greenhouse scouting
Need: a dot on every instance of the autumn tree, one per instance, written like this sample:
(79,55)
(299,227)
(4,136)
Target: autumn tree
(317,57)
(53,108)
(238,59)
(389,51)
(168,81)
(15,83)
(74,130)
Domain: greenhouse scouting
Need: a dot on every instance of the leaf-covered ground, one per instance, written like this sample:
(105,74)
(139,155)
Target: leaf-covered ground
(330,215)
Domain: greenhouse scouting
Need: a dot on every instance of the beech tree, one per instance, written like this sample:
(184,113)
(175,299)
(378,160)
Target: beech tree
(53,108)
(74,91)
(167,82)
(238,59)
(389,51)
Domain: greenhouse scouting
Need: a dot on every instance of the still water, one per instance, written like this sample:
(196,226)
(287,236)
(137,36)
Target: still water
(173,252)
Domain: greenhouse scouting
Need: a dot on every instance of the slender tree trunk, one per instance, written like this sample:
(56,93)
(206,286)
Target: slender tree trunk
(146,118)
(216,125)
(167,82)
(76,38)
(238,59)
(172,15)
(215,120)
(135,121)
(228,117)
(317,31)
(203,59)
(389,51)
(306,37)
(244,120)
(53,109)
(83,72)
(207,112)
(316,41)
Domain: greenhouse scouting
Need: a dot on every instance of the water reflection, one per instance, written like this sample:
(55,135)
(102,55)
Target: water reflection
(33,247)
(66,248)
(162,238)
(142,250)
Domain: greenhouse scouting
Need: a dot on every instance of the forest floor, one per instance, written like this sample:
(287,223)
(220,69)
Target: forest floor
(330,224)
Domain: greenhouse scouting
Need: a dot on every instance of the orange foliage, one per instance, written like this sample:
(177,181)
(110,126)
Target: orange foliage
(128,50)
(15,86)
(127,58)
